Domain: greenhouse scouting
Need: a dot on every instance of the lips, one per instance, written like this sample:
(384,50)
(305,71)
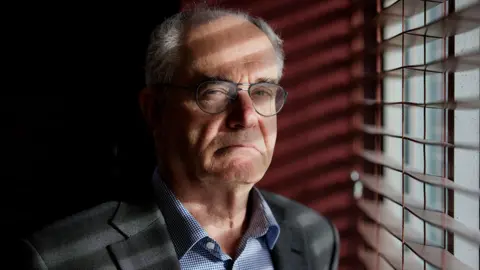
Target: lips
(244,145)
(251,146)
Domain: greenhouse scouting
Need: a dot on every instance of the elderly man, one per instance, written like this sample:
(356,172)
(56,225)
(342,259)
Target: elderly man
(211,100)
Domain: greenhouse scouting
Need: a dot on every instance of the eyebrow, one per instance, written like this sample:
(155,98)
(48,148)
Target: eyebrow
(222,78)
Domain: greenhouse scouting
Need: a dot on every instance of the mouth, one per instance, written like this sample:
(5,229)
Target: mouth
(239,146)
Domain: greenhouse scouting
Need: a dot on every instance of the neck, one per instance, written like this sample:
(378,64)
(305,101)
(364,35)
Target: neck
(222,210)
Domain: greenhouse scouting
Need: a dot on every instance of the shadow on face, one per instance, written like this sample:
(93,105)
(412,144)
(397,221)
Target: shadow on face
(236,145)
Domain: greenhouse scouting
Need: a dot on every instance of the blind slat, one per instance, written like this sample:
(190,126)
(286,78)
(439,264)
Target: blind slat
(386,245)
(380,159)
(374,262)
(409,40)
(373,130)
(434,218)
(458,22)
(451,64)
(466,104)
(380,240)
(438,257)
(393,13)
(444,182)
(378,185)
(384,217)
(445,221)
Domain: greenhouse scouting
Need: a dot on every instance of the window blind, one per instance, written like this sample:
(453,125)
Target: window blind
(378,225)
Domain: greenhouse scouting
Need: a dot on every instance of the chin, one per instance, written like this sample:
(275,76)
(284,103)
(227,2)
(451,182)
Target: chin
(241,170)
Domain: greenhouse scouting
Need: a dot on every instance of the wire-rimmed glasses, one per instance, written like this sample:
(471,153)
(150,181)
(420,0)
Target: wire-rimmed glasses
(214,96)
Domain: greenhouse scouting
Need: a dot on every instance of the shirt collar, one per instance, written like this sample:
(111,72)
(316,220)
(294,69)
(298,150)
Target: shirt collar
(262,221)
(185,231)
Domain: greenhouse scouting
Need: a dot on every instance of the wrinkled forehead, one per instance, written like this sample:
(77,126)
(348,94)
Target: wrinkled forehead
(230,47)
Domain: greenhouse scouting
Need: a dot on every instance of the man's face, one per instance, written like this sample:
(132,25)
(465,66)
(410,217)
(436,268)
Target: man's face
(235,146)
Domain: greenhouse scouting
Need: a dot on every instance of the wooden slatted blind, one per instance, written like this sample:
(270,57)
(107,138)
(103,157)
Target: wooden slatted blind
(391,242)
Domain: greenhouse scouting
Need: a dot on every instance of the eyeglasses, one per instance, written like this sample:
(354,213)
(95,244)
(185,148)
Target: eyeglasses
(214,96)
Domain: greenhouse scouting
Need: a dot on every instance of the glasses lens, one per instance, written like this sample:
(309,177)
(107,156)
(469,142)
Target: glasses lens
(213,97)
(267,98)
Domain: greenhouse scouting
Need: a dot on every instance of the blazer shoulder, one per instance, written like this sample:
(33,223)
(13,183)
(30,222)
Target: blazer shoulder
(81,222)
(77,230)
(67,238)
(295,212)
(321,236)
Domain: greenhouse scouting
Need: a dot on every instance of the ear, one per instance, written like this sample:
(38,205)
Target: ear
(148,104)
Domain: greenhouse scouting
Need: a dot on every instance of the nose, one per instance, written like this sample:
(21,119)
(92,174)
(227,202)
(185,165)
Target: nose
(242,114)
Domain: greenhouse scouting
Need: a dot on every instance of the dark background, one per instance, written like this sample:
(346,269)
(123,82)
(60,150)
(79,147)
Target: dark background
(71,130)
(72,133)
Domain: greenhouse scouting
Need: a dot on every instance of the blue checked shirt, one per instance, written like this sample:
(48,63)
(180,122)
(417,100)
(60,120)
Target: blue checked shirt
(196,250)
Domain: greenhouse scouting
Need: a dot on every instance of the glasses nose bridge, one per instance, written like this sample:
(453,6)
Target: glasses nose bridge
(242,86)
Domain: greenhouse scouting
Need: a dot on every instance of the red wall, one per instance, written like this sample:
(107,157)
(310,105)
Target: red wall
(314,155)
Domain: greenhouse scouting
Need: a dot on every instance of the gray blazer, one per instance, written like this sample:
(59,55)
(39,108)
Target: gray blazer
(118,235)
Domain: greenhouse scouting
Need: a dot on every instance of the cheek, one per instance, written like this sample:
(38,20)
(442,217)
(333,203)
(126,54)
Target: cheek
(206,130)
(201,130)
(268,127)
(178,128)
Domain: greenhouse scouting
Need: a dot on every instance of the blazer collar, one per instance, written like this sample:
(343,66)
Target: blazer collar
(289,251)
(147,244)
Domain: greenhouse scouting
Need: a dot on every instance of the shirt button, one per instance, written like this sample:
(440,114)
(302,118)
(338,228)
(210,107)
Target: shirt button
(210,245)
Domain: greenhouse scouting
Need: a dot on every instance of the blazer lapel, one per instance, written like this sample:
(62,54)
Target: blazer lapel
(147,244)
(288,253)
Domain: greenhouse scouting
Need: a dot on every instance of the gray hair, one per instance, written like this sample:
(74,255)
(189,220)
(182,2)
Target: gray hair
(163,53)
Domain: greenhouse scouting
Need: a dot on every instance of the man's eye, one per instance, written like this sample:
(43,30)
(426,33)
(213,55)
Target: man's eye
(215,91)
(262,93)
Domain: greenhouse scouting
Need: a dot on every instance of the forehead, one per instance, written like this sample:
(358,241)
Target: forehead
(230,47)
